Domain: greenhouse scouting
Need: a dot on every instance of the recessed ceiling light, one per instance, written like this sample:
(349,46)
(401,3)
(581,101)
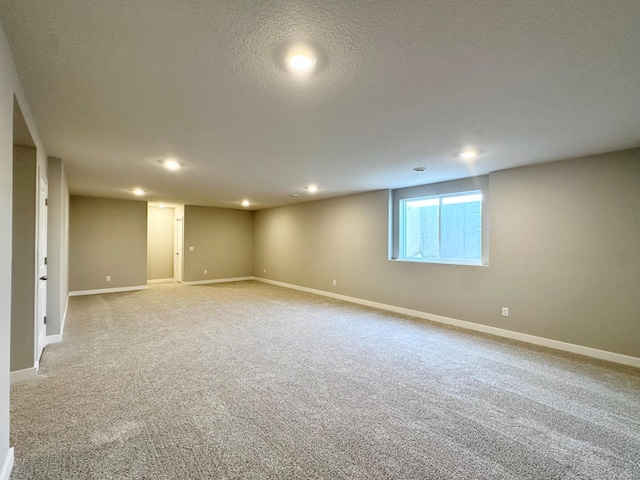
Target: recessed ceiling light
(171,164)
(469,153)
(294,195)
(419,170)
(246,203)
(138,191)
(301,62)
(300,59)
(312,188)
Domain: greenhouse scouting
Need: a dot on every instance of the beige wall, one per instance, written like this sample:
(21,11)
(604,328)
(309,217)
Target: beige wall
(57,247)
(160,243)
(23,285)
(107,237)
(563,254)
(222,241)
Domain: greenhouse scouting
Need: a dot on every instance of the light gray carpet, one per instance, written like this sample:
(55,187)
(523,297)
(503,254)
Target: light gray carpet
(251,381)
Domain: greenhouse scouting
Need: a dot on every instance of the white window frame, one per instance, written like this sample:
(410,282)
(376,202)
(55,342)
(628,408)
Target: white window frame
(442,189)
(440,200)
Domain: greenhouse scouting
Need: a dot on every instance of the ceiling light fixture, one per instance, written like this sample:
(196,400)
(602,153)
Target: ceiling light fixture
(419,170)
(312,188)
(138,191)
(469,153)
(294,195)
(171,164)
(301,59)
(301,62)
(246,203)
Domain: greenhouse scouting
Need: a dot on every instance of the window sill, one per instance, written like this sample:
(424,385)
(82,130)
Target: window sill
(439,262)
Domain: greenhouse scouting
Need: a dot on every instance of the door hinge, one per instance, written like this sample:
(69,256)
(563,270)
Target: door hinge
(45,260)
(46,202)
(45,319)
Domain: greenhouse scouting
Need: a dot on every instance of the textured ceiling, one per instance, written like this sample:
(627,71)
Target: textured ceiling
(115,86)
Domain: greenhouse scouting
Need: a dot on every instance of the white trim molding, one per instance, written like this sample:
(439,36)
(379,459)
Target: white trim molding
(51,339)
(24,375)
(78,293)
(500,332)
(7,465)
(219,280)
(64,317)
(161,280)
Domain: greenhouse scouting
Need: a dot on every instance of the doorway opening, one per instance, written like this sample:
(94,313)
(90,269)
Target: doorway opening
(164,243)
(29,253)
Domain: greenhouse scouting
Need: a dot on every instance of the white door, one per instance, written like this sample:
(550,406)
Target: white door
(41,301)
(177,266)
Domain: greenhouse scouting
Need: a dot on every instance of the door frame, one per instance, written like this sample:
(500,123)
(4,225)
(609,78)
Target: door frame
(40,329)
(178,244)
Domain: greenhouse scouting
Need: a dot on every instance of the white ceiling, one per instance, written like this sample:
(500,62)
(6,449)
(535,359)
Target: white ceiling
(115,86)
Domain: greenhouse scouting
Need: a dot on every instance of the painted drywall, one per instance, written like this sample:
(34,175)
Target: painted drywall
(563,254)
(107,237)
(10,91)
(23,286)
(57,247)
(222,242)
(160,243)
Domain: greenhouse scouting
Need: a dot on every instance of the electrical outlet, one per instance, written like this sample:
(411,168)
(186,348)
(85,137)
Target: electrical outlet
(505,311)
(334,283)
(205,272)
(191,249)
(264,270)
(108,278)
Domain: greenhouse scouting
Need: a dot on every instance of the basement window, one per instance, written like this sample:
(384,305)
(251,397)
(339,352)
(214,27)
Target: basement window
(440,223)
(444,228)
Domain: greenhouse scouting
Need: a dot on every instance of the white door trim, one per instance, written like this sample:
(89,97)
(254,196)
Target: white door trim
(40,332)
(7,465)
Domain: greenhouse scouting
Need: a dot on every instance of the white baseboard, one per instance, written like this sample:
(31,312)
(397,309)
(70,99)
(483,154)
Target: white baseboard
(161,280)
(219,280)
(78,293)
(24,375)
(42,342)
(500,332)
(51,339)
(64,316)
(7,465)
